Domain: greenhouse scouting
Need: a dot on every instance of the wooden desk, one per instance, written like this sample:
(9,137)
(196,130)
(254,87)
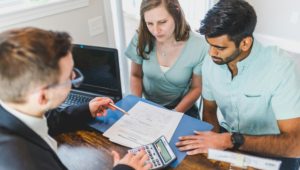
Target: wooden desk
(91,138)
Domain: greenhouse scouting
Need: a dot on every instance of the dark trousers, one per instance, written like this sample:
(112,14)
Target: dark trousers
(286,163)
(193,112)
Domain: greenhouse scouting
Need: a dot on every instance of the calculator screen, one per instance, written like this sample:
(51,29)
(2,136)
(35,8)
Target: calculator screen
(163,151)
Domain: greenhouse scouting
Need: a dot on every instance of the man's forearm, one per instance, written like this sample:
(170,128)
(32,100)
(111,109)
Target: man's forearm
(68,119)
(212,119)
(210,114)
(283,145)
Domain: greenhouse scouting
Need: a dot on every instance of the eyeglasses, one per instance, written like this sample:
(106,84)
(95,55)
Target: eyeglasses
(76,79)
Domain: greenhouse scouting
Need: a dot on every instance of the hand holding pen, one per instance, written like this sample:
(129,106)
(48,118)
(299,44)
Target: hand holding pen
(99,105)
(118,108)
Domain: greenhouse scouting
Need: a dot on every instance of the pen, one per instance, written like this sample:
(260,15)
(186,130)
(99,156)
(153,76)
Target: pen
(123,111)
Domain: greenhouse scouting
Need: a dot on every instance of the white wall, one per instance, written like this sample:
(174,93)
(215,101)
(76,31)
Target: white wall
(75,22)
(278,18)
(278,22)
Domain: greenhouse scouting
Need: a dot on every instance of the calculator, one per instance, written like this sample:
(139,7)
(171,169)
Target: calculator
(159,152)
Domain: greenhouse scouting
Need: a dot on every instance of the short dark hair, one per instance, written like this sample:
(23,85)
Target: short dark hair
(235,18)
(30,57)
(145,38)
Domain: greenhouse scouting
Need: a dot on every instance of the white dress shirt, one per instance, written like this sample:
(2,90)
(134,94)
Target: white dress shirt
(36,124)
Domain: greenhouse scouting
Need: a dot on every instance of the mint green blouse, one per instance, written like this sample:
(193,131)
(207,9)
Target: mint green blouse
(168,88)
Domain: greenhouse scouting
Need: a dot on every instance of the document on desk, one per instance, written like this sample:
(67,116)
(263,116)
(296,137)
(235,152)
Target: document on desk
(243,161)
(144,124)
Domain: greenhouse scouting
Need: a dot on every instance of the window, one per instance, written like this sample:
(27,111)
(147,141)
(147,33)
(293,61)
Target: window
(194,11)
(132,7)
(17,11)
(7,3)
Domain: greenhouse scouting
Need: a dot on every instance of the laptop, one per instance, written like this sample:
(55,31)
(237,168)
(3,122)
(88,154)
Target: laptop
(100,68)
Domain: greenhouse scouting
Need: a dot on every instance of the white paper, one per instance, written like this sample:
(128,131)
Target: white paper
(262,163)
(242,160)
(144,124)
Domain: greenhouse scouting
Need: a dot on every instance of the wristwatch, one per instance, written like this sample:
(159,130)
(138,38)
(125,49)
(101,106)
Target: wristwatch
(237,140)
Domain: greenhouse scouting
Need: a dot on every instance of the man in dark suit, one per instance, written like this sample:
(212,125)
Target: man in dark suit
(36,73)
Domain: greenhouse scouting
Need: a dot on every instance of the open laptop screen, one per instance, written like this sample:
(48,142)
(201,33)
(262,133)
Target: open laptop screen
(100,67)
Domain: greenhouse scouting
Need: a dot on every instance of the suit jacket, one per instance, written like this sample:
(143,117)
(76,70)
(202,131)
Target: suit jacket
(22,148)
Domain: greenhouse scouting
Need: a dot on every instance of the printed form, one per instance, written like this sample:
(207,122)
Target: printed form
(144,124)
(243,161)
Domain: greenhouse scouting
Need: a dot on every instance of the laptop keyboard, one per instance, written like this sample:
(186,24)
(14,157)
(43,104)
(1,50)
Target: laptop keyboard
(75,99)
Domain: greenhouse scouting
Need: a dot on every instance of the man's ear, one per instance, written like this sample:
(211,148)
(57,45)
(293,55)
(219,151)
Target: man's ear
(246,43)
(43,97)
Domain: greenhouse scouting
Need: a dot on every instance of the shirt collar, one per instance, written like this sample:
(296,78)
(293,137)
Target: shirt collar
(251,57)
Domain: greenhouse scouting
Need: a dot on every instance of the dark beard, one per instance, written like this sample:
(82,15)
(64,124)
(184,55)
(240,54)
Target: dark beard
(227,60)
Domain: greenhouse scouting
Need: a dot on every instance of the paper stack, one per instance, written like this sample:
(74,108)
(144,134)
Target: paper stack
(144,124)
